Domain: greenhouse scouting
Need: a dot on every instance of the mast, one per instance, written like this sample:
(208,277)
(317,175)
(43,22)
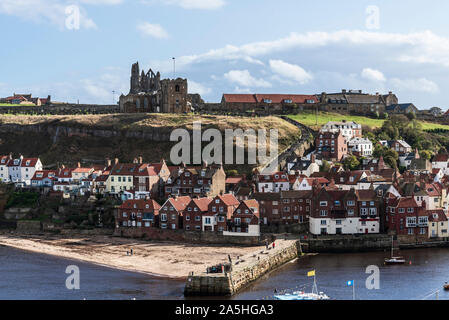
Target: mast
(314,288)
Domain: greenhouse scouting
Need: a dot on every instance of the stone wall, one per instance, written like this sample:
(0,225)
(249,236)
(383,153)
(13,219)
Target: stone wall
(61,109)
(186,236)
(241,275)
(29,227)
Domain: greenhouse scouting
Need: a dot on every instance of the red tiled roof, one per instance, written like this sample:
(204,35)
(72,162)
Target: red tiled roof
(229,199)
(233,180)
(29,162)
(140,204)
(240,98)
(41,175)
(280,98)
(441,158)
(180,203)
(203,203)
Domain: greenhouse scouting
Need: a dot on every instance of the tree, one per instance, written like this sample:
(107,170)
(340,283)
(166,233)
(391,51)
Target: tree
(425,154)
(351,163)
(325,167)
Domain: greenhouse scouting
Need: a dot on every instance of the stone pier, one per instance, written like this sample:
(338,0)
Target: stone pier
(248,269)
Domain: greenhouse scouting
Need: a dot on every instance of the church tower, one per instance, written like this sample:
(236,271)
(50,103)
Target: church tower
(135,78)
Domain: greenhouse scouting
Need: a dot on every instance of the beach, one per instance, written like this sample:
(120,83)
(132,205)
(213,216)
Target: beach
(163,259)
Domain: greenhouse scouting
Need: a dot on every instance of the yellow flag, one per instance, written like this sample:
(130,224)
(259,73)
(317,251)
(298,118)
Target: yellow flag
(311,273)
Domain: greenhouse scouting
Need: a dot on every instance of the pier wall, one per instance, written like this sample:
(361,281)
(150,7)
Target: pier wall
(187,236)
(242,274)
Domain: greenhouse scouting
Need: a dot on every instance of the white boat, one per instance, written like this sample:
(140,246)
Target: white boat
(301,295)
(393,259)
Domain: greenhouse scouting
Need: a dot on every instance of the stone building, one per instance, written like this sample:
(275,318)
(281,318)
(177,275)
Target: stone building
(148,93)
(356,101)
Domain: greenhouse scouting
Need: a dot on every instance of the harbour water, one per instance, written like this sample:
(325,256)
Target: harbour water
(25,275)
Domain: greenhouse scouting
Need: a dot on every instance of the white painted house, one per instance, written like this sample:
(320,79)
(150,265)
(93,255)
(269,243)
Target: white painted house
(361,147)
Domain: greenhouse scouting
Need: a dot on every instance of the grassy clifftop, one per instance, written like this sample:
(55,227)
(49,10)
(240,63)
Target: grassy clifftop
(77,147)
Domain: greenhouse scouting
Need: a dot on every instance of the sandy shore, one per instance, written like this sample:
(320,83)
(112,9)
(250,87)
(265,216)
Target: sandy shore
(165,259)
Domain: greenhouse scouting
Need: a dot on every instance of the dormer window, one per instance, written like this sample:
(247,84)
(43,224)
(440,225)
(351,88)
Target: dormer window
(267,101)
(28,163)
(288,101)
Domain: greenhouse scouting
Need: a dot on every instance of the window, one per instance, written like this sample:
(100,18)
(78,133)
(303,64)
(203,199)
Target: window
(187,217)
(323,203)
(350,212)
(323,213)
(338,222)
(410,210)
(351,203)
(323,222)
(197,218)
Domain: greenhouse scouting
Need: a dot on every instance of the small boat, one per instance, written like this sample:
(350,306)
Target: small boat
(301,295)
(394,260)
(446,286)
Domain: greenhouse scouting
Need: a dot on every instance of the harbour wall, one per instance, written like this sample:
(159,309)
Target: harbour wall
(368,243)
(187,236)
(243,273)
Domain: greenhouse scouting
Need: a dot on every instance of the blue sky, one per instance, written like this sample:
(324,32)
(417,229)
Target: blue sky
(226,46)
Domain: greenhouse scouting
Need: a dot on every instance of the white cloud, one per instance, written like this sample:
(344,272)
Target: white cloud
(190,4)
(421,85)
(152,30)
(373,75)
(102,2)
(244,78)
(195,87)
(290,71)
(241,90)
(418,47)
(49,11)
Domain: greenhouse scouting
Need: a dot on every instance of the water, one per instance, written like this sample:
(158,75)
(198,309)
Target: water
(25,275)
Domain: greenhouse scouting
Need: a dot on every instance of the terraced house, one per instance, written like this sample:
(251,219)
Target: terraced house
(204,181)
(138,213)
(345,212)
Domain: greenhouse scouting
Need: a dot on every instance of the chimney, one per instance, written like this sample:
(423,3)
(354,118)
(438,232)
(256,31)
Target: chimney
(377,93)
(108,162)
(78,165)
(312,158)
(116,161)
(417,154)
(10,155)
(140,160)
(204,164)
(390,92)
(135,161)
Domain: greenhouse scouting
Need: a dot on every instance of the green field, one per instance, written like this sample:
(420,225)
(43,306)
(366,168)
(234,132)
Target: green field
(311,120)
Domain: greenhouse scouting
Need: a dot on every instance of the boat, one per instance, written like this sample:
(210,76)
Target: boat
(301,295)
(446,286)
(394,260)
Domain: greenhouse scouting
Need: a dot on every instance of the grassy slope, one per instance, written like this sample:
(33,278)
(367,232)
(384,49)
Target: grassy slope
(309,119)
(76,148)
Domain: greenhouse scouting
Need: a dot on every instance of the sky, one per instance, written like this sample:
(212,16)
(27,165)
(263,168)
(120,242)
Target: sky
(82,50)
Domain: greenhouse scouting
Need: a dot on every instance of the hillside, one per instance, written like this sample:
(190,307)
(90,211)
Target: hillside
(69,139)
(310,119)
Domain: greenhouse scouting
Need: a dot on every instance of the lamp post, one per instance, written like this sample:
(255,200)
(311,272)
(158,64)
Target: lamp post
(174,67)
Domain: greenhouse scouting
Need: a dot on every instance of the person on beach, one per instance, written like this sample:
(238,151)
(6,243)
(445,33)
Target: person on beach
(274,245)
(131,251)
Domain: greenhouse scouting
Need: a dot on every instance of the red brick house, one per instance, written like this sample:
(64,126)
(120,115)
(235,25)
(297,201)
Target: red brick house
(331,146)
(296,206)
(171,213)
(220,210)
(270,208)
(138,214)
(245,217)
(405,217)
(203,181)
(193,214)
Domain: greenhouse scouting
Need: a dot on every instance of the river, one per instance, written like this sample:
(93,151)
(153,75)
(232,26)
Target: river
(25,275)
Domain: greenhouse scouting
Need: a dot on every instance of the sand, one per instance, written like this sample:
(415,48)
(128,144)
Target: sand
(163,259)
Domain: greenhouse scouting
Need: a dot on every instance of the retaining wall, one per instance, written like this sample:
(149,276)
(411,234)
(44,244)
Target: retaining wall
(241,275)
